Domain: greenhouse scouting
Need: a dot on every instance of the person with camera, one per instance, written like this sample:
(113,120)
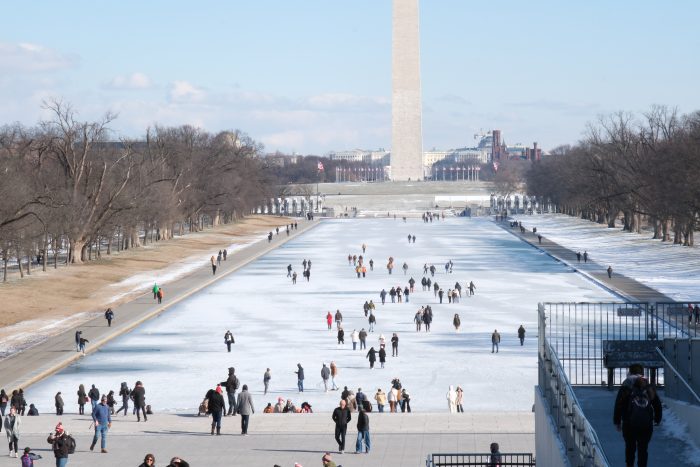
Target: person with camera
(61,443)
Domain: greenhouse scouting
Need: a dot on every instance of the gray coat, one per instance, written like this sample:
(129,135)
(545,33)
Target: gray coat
(10,430)
(245,403)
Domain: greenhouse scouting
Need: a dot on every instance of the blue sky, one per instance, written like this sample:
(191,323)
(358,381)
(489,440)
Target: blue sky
(315,75)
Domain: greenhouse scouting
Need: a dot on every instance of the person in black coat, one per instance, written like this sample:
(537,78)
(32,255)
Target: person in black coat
(637,409)
(215,407)
(382,356)
(341,417)
(231,384)
(138,395)
(363,441)
(372,355)
(341,336)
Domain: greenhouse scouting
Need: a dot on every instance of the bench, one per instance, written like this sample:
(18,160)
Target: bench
(624,353)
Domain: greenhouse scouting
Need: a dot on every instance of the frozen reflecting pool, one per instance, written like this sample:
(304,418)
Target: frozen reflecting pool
(181,354)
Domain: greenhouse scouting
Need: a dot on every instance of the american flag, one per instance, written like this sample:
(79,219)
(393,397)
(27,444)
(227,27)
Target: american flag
(320,166)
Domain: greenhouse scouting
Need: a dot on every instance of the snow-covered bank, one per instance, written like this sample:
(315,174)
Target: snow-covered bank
(673,270)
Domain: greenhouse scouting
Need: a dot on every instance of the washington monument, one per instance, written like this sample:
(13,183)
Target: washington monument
(406,126)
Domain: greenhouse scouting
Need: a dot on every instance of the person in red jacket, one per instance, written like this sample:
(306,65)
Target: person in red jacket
(329,320)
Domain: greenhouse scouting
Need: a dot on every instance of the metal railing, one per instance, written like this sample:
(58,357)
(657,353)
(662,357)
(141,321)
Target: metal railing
(673,390)
(480,459)
(583,448)
(679,316)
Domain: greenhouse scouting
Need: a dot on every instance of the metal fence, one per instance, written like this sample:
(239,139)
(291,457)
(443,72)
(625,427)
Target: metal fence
(479,459)
(576,332)
(681,316)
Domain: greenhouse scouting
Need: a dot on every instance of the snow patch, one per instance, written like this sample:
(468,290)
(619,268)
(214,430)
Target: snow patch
(673,427)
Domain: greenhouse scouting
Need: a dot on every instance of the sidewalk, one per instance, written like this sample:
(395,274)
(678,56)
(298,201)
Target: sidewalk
(621,285)
(37,362)
(397,439)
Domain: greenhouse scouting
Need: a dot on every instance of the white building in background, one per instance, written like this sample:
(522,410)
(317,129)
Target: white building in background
(374,157)
(352,155)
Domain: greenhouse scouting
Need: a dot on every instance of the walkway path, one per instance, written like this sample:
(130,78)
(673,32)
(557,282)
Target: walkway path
(37,362)
(626,287)
(397,439)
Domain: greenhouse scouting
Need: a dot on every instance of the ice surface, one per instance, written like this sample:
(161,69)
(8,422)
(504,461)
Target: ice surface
(673,270)
(181,354)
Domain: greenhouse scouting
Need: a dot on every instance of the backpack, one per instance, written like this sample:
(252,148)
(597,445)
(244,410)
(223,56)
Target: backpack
(27,461)
(640,413)
(70,444)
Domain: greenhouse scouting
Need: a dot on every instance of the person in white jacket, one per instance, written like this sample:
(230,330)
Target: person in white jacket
(355,337)
(452,400)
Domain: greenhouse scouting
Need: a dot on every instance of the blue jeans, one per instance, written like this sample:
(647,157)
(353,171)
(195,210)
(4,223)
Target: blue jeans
(363,441)
(244,423)
(93,402)
(300,385)
(100,430)
(216,419)
(61,461)
(381,407)
(231,403)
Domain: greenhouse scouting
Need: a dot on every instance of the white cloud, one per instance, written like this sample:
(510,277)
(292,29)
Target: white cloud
(346,102)
(33,58)
(182,91)
(135,80)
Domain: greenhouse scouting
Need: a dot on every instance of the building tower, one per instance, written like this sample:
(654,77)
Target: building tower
(406,125)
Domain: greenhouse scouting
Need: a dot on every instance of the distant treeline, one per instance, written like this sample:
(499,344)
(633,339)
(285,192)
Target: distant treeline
(66,188)
(640,168)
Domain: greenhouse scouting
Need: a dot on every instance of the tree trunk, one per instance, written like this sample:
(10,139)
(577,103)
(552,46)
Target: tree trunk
(46,251)
(4,268)
(135,239)
(19,263)
(29,264)
(666,230)
(76,251)
(657,228)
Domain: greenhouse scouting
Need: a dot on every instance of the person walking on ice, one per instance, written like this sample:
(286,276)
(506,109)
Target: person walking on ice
(495,340)
(329,320)
(300,377)
(228,340)
(334,373)
(266,380)
(456,322)
(472,288)
(609,272)
(521,334)
(452,400)
(372,356)
(325,375)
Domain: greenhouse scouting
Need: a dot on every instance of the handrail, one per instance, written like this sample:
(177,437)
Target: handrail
(673,369)
(589,428)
